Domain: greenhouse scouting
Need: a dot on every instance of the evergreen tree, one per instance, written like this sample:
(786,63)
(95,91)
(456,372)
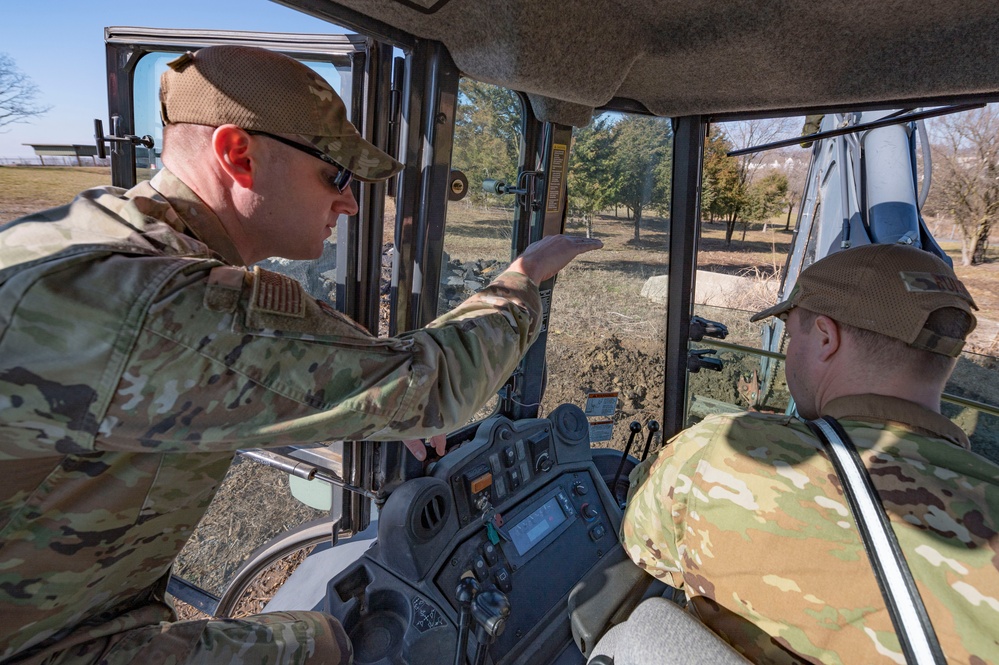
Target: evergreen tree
(487,136)
(721,190)
(591,182)
(642,164)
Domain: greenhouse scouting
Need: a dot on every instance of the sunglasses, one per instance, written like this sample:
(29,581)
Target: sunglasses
(342,179)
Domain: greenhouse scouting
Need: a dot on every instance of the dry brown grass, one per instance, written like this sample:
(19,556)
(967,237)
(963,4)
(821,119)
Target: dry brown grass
(27,189)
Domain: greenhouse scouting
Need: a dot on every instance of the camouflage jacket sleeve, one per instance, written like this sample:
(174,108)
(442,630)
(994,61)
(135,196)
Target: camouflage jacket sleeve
(223,358)
(249,359)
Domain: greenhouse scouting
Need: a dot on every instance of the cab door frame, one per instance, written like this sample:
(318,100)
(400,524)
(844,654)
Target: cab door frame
(125,46)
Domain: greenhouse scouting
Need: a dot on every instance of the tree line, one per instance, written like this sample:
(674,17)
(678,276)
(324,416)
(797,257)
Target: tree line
(617,162)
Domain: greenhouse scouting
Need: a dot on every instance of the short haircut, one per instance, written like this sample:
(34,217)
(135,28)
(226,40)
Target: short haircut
(889,354)
(186,139)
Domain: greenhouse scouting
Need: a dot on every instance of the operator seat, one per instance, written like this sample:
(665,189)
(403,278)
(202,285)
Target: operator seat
(659,632)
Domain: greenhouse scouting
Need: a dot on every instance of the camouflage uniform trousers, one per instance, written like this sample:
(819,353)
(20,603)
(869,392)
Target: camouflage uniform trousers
(278,638)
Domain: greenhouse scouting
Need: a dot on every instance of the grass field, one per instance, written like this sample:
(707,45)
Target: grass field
(26,189)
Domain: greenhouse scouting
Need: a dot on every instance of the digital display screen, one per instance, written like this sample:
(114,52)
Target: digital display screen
(533,528)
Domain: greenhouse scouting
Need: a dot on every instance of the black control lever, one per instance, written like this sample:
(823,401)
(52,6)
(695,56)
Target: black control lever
(491,609)
(635,428)
(468,589)
(696,361)
(653,428)
(701,328)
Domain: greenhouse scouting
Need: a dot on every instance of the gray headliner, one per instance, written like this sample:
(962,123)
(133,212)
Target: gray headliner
(689,57)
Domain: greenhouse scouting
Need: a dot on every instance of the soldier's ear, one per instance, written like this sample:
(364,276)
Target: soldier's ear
(828,335)
(233,150)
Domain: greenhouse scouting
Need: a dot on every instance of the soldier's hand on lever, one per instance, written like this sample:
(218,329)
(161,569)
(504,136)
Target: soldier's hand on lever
(541,260)
(417,447)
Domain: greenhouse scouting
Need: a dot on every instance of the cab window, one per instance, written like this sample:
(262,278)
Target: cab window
(478,238)
(607,329)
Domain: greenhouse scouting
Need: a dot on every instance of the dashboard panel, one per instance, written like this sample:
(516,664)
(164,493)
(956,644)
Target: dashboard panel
(520,508)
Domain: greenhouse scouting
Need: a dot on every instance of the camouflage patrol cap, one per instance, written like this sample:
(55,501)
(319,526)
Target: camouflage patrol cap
(887,289)
(261,90)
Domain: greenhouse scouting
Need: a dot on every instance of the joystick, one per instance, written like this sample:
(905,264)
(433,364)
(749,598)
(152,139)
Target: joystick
(466,592)
(490,609)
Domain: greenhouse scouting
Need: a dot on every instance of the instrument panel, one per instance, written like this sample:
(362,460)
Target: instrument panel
(522,510)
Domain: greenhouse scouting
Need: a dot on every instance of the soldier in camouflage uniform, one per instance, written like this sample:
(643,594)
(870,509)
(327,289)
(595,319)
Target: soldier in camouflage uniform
(745,512)
(137,353)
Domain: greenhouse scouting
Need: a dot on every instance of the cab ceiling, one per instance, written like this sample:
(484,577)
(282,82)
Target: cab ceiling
(703,57)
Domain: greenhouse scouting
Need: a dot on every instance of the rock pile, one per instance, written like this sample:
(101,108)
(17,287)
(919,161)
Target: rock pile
(460,279)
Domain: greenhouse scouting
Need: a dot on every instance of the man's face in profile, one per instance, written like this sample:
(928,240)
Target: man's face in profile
(801,355)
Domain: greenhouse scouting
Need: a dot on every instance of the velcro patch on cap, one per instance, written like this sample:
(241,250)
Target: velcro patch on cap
(274,293)
(181,63)
(927,282)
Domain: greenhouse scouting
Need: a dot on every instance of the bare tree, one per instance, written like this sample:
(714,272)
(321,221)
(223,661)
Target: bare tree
(797,175)
(18,94)
(967,176)
(745,134)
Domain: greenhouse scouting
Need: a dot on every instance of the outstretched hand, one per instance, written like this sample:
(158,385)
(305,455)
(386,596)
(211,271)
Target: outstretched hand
(419,450)
(542,259)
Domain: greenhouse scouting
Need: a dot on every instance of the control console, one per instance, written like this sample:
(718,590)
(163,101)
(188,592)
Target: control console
(519,515)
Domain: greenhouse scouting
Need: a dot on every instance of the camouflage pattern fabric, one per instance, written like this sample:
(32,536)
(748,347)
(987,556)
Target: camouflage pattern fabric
(310,638)
(135,358)
(746,514)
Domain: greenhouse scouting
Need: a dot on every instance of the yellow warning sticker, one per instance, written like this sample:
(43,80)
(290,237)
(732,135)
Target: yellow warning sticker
(556,184)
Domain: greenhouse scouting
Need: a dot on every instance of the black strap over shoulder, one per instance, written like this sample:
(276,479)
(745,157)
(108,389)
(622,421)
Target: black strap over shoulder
(908,613)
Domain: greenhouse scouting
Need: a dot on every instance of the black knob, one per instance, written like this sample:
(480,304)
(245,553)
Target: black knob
(635,427)
(579,489)
(467,589)
(466,592)
(589,512)
(491,609)
(652,427)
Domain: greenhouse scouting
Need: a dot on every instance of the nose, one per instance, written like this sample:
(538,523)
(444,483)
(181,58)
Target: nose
(345,203)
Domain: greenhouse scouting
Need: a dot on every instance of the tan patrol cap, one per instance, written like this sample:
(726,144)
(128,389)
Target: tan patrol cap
(261,90)
(887,289)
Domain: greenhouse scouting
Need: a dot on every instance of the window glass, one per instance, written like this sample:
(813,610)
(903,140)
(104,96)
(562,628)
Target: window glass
(478,238)
(479,235)
(767,214)
(746,231)
(607,328)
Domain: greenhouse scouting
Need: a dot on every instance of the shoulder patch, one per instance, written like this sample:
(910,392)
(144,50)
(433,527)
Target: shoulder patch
(274,293)
(225,283)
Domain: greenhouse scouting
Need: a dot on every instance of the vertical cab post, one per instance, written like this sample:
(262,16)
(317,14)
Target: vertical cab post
(426,134)
(121,61)
(547,218)
(684,230)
